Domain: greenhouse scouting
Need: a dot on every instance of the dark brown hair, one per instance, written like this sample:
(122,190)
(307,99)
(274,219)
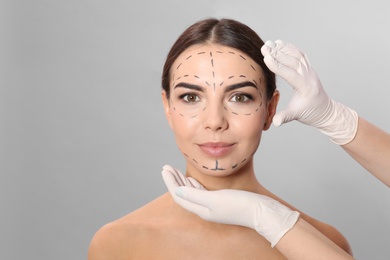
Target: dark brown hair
(225,32)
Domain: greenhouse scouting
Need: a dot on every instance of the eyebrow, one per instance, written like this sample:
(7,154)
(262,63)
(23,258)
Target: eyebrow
(189,86)
(227,89)
(240,85)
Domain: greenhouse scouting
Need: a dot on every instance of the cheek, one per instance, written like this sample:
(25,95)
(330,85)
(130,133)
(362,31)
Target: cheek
(183,128)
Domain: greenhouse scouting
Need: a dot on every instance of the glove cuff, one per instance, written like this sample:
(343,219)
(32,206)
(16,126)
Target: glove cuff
(341,123)
(288,224)
(273,220)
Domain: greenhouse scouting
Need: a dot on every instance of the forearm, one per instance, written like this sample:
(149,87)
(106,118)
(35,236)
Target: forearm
(303,241)
(371,149)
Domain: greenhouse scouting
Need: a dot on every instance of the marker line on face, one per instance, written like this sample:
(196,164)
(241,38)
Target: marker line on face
(217,168)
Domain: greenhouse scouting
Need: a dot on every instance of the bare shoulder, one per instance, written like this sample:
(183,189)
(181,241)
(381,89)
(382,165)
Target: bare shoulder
(328,230)
(124,237)
(331,232)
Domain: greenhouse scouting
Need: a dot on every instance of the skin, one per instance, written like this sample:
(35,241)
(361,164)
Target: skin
(371,148)
(164,230)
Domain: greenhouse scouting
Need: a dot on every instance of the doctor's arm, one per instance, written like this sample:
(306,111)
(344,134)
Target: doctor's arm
(310,105)
(282,227)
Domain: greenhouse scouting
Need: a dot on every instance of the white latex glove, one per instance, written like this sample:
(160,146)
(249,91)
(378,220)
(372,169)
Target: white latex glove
(309,104)
(267,216)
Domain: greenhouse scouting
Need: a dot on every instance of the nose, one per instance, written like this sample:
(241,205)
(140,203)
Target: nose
(215,117)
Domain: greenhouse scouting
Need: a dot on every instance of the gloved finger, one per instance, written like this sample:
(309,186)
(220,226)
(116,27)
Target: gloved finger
(195,184)
(180,178)
(267,48)
(170,181)
(288,74)
(283,117)
(289,61)
(198,209)
(288,49)
(199,197)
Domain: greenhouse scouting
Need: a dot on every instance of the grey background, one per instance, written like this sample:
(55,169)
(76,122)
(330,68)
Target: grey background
(83,136)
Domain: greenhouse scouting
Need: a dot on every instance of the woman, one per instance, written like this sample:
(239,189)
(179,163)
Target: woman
(218,97)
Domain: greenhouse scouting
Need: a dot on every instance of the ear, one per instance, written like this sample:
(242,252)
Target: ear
(167,110)
(271,109)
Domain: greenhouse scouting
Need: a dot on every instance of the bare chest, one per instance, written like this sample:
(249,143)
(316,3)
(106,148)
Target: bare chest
(211,242)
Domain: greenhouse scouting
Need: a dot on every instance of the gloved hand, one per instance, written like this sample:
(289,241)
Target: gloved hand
(267,216)
(309,104)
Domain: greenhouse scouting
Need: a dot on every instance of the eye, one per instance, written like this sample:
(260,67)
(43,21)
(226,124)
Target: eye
(241,98)
(190,98)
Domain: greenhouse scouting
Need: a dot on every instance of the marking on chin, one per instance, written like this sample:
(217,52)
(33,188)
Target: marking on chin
(217,167)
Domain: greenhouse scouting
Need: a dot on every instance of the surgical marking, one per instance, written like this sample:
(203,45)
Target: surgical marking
(217,168)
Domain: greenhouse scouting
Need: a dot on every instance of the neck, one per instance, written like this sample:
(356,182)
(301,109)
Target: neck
(243,179)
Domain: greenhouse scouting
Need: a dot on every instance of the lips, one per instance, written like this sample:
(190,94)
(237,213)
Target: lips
(216,149)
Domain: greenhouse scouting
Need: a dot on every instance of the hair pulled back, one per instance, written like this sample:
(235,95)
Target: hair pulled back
(224,32)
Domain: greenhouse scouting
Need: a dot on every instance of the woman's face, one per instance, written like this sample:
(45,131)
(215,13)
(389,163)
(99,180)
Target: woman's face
(217,108)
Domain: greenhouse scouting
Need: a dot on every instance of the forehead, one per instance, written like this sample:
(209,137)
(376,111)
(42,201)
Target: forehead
(214,60)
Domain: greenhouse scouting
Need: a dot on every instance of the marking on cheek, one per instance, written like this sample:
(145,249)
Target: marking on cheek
(234,166)
(185,76)
(231,52)
(225,108)
(181,115)
(221,83)
(193,116)
(186,155)
(207,83)
(242,76)
(178,78)
(254,81)
(243,160)
(188,57)
(212,63)
(248,114)
(219,51)
(178,66)
(205,167)
(195,161)
(230,77)
(200,53)
(234,113)
(242,57)
(253,67)
(196,76)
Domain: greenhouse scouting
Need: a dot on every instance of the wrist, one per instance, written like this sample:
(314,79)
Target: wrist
(340,123)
